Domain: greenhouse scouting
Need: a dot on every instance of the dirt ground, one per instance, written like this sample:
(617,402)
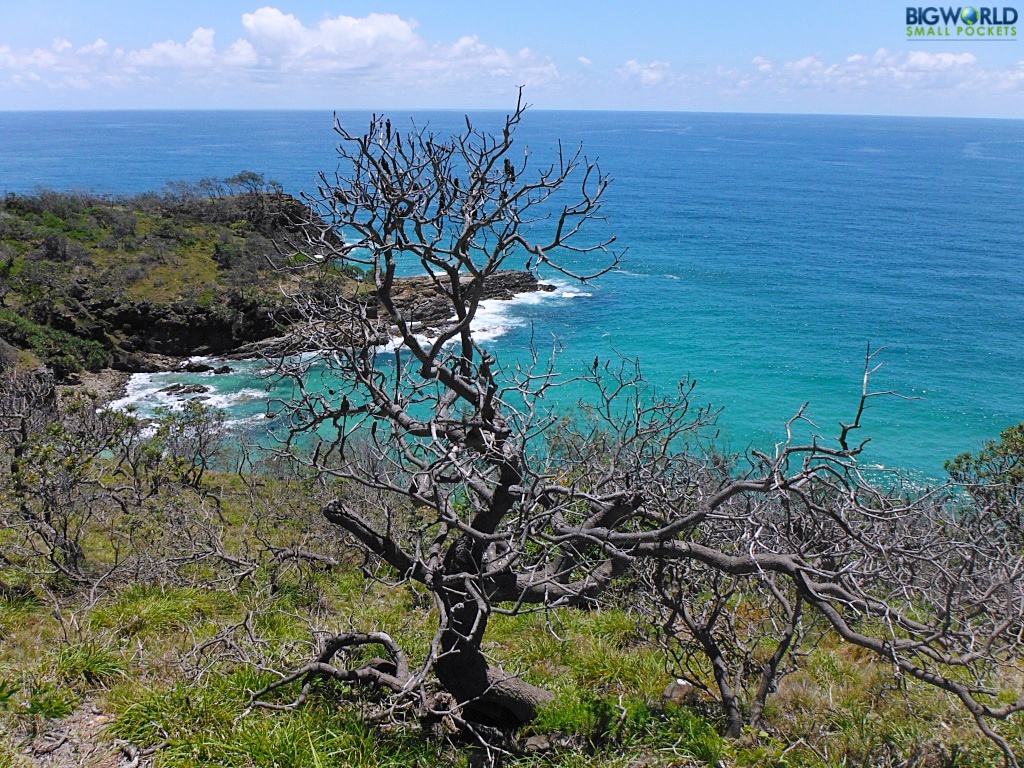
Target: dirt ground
(78,742)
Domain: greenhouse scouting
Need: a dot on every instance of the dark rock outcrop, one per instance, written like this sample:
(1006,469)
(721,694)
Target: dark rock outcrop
(184,328)
(417,298)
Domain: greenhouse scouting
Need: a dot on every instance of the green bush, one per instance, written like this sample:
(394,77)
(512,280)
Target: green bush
(62,351)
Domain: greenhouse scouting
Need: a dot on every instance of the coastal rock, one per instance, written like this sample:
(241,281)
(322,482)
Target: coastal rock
(181,390)
(8,357)
(145,337)
(183,328)
(131,362)
(418,298)
(680,691)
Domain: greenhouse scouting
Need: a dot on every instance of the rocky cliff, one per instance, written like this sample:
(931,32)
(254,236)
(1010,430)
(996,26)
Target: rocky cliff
(88,282)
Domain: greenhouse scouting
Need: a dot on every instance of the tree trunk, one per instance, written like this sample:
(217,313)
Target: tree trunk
(487,694)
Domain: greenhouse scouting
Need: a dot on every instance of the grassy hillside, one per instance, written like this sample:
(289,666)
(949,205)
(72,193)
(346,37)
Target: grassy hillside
(144,598)
(156,578)
(88,281)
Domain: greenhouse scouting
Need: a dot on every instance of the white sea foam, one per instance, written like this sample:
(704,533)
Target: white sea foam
(139,389)
(396,342)
(227,400)
(146,392)
(496,317)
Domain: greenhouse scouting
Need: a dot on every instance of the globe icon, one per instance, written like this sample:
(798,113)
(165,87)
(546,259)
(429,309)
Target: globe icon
(970,16)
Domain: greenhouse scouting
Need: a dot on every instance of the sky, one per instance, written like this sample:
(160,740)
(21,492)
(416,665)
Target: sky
(800,56)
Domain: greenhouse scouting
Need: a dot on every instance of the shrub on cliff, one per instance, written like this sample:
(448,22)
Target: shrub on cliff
(63,352)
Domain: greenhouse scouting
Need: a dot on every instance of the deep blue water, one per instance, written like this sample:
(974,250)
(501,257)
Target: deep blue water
(764,251)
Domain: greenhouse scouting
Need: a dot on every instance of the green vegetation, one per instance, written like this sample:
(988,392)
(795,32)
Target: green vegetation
(89,281)
(451,577)
(62,351)
(189,591)
(994,478)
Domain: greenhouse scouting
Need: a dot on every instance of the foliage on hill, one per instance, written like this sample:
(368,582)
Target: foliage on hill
(88,281)
(994,478)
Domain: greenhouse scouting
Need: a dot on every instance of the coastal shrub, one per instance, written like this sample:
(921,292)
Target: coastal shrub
(62,351)
(994,478)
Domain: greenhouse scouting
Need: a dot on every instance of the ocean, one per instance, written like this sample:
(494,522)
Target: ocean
(763,254)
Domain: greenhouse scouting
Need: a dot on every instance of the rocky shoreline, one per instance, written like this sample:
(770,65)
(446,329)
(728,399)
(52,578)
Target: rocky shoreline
(106,384)
(416,296)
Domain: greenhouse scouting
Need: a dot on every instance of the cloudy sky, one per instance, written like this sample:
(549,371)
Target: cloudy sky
(850,56)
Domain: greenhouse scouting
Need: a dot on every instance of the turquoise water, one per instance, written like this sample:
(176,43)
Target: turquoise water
(764,253)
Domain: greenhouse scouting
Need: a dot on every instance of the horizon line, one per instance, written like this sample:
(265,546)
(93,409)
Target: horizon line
(465,110)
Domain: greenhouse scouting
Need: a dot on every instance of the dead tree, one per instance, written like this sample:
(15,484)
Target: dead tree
(744,633)
(494,503)
(436,415)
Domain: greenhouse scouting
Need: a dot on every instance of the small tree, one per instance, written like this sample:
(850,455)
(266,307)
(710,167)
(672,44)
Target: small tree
(740,631)
(491,502)
(994,479)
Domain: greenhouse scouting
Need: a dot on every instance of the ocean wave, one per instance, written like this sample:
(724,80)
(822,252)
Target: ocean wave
(234,392)
(139,389)
(146,392)
(227,400)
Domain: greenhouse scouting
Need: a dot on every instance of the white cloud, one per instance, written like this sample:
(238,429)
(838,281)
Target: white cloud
(372,57)
(881,81)
(283,37)
(923,61)
(646,75)
(240,53)
(27,63)
(199,51)
(880,73)
(98,48)
(381,58)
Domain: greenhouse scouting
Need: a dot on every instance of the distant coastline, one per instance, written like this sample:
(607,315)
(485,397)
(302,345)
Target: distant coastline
(110,385)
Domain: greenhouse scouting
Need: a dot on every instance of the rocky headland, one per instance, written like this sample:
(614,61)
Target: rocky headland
(91,284)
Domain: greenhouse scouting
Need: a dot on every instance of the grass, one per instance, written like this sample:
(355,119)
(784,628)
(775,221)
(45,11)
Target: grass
(175,664)
(88,664)
(135,661)
(143,610)
(209,724)
(189,271)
